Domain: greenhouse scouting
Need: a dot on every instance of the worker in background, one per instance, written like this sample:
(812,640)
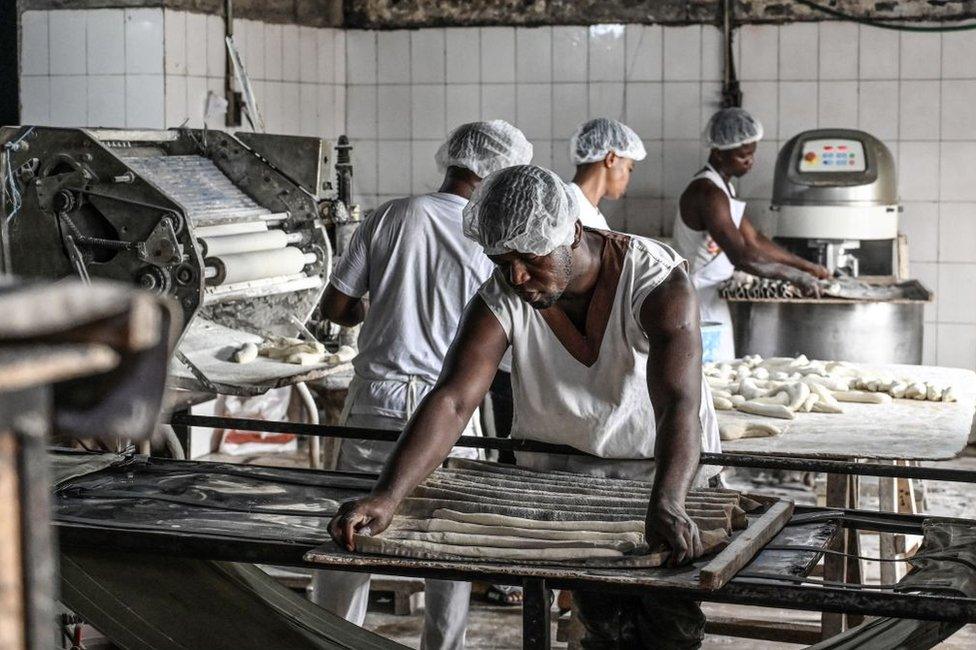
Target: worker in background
(713,233)
(606,358)
(604,152)
(419,270)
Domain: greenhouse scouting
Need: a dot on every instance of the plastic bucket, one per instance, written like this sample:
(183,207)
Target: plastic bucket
(711,333)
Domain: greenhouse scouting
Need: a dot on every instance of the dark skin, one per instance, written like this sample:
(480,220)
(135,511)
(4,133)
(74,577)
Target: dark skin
(605,178)
(348,311)
(705,207)
(669,316)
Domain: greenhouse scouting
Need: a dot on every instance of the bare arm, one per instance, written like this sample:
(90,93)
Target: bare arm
(466,376)
(772,251)
(705,207)
(342,309)
(669,317)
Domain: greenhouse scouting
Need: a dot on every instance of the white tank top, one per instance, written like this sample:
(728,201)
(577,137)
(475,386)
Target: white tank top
(599,404)
(709,265)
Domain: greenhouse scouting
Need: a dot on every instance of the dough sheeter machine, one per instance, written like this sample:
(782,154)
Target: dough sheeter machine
(835,197)
(235,228)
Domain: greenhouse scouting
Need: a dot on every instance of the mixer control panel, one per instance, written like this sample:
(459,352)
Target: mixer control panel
(833,155)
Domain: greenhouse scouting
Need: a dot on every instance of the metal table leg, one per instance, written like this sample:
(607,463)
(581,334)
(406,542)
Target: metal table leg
(535,615)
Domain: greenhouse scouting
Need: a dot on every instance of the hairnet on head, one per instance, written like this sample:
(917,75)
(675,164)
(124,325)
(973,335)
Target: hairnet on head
(596,138)
(525,208)
(731,128)
(484,147)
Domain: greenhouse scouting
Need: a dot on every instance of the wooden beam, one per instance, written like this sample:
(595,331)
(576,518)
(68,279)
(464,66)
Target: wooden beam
(745,628)
(744,547)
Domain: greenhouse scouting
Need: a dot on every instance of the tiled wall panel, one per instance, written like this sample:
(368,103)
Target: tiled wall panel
(398,93)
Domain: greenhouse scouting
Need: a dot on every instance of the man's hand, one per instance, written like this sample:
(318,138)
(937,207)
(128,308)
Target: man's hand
(809,285)
(367,516)
(669,523)
(819,272)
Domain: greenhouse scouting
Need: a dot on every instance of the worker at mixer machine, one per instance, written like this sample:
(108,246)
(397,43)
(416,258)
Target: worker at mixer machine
(606,357)
(712,232)
(420,271)
(605,152)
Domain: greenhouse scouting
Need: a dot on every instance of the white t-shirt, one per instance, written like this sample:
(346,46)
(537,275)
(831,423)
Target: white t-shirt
(420,271)
(602,408)
(589,214)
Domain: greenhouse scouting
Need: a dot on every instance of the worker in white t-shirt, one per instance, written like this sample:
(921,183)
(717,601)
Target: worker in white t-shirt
(605,152)
(412,259)
(606,357)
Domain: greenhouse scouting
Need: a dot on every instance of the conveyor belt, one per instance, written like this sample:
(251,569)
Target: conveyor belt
(208,196)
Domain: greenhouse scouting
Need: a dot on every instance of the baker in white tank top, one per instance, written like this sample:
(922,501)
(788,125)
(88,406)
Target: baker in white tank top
(712,232)
(606,358)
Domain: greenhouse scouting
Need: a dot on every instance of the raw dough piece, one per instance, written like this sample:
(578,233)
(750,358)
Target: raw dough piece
(246,353)
(808,405)
(862,397)
(735,431)
(722,404)
(749,389)
(306,358)
(344,354)
(769,410)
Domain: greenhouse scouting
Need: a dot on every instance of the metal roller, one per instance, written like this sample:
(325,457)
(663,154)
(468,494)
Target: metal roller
(256,265)
(247,242)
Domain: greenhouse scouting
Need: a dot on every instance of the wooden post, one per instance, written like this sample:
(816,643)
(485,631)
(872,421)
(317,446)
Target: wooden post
(887,502)
(835,566)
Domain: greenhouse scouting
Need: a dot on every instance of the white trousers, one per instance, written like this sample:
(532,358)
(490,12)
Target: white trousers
(346,594)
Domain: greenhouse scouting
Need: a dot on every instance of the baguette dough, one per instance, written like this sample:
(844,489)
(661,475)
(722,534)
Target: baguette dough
(769,410)
(735,431)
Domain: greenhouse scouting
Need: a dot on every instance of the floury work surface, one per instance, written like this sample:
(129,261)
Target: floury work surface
(496,627)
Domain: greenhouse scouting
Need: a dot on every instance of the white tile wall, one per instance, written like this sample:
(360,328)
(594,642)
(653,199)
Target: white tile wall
(101,67)
(463,51)
(570,47)
(393,57)
(799,46)
(533,55)
(838,50)
(144,41)
(919,101)
(878,53)
(397,93)
(759,52)
(682,53)
(497,55)
(920,55)
(644,53)
(606,53)
(34,49)
(427,61)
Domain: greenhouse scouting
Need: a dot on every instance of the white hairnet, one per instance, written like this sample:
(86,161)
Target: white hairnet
(596,138)
(525,208)
(731,128)
(484,147)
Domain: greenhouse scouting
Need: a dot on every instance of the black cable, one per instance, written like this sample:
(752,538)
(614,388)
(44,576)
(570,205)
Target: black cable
(872,23)
(917,556)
